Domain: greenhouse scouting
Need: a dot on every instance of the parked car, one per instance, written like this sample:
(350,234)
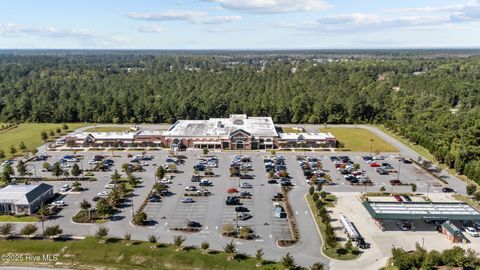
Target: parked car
(398,198)
(59,203)
(243,216)
(165,181)
(447,190)
(187,200)
(471,231)
(395,182)
(375,165)
(103,193)
(241,209)
(245,176)
(382,171)
(110,186)
(65,188)
(196,178)
(246,185)
(232,190)
(272,181)
(232,200)
(193,224)
(205,182)
(405,226)
(245,194)
(191,188)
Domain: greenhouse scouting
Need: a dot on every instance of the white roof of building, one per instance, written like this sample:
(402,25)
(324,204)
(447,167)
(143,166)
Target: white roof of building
(222,127)
(306,136)
(22,194)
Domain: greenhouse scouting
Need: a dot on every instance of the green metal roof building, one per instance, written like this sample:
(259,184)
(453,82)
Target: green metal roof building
(422,210)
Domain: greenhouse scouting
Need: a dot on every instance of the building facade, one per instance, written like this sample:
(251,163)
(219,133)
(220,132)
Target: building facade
(24,199)
(235,133)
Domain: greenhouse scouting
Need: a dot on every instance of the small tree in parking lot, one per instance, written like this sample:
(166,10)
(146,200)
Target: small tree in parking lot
(76,170)
(153,239)
(160,173)
(115,176)
(205,151)
(471,189)
(204,246)
(101,233)
(53,230)
(476,196)
(178,241)
(414,187)
(140,218)
(29,229)
(288,261)
(7,229)
(311,190)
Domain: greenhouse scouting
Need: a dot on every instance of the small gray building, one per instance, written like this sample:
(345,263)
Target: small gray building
(24,199)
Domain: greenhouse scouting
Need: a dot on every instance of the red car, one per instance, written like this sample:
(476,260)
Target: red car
(374,164)
(398,198)
(232,190)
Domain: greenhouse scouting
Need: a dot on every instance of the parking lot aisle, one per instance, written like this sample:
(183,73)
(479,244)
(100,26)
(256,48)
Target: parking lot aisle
(214,214)
(263,206)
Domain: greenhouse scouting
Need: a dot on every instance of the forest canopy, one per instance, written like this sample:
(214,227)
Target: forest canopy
(433,101)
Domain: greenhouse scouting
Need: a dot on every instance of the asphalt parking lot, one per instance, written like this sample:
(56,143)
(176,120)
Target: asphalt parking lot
(211,212)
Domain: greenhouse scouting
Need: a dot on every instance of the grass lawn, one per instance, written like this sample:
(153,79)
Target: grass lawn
(109,129)
(29,133)
(329,252)
(116,255)
(8,218)
(290,130)
(358,139)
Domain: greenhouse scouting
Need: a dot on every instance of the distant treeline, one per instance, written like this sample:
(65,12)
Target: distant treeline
(432,101)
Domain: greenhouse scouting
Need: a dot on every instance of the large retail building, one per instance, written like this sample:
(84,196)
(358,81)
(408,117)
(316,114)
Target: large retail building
(236,132)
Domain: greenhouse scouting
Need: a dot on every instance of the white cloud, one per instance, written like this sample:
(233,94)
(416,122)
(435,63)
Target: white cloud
(196,17)
(355,22)
(13,30)
(272,6)
(150,29)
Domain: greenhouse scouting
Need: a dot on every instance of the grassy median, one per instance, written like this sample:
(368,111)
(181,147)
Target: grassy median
(12,219)
(29,134)
(331,252)
(358,139)
(115,254)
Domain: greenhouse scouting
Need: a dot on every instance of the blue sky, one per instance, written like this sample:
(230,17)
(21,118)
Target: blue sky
(238,24)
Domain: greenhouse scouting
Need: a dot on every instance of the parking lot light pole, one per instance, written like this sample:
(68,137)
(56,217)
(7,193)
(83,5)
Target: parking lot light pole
(371,145)
(423,242)
(399,167)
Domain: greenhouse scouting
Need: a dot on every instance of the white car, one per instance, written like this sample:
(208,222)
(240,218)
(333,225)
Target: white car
(59,203)
(65,188)
(191,188)
(246,185)
(187,200)
(143,163)
(103,193)
(471,231)
(92,162)
(165,181)
(110,186)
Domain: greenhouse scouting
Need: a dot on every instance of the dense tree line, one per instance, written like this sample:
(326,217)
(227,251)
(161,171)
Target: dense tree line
(434,101)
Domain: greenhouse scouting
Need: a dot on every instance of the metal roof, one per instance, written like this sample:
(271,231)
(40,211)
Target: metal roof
(23,194)
(421,210)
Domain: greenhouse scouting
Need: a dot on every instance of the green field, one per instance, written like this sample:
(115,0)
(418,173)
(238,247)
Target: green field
(115,254)
(29,133)
(358,139)
(8,218)
(290,130)
(109,129)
